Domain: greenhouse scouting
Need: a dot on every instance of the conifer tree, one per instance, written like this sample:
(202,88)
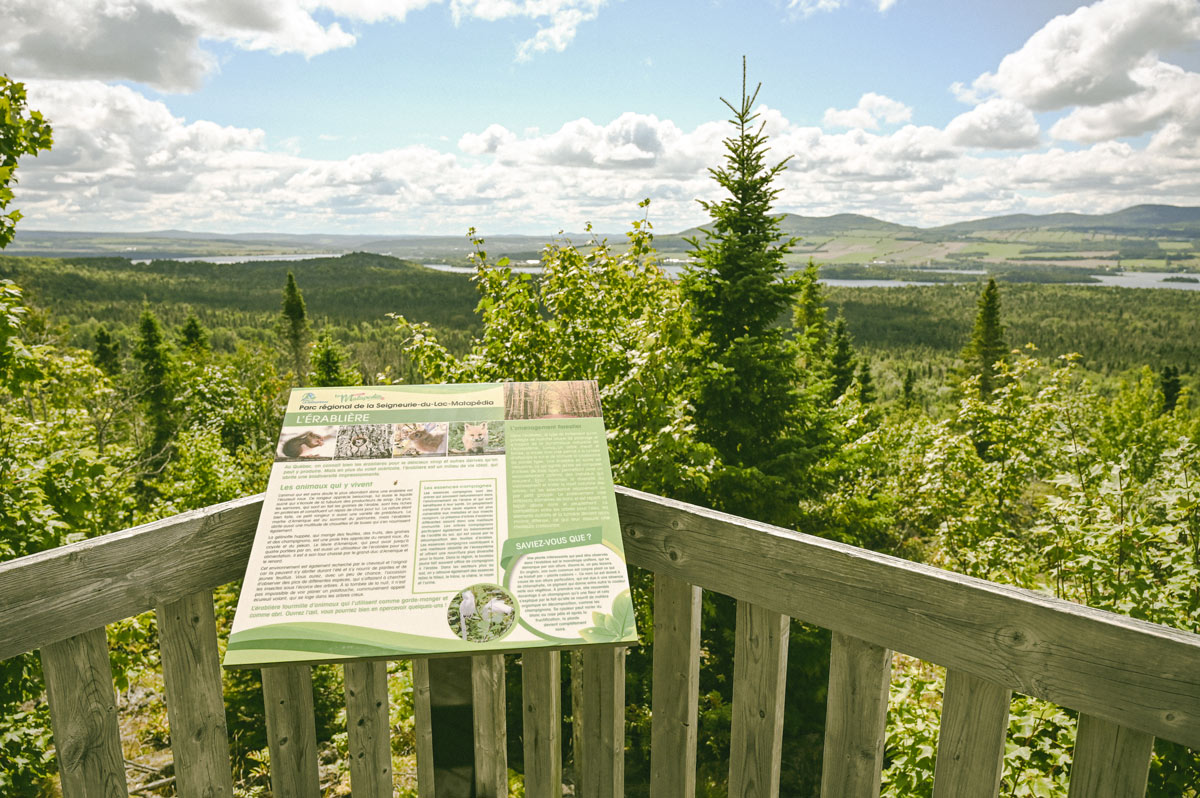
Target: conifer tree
(866,385)
(151,352)
(809,318)
(745,396)
(909,391)
(331,364)
(294,327)
(841,358)
(106,355)
(1169,382)
(986,348)
(193,337)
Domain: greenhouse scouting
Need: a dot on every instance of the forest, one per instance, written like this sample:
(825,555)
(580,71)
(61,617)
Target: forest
(1038,436)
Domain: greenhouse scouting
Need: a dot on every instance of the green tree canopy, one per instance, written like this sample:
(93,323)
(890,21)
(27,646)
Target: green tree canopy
(22,132)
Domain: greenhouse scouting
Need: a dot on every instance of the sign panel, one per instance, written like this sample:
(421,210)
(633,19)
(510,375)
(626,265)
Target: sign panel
(435,519)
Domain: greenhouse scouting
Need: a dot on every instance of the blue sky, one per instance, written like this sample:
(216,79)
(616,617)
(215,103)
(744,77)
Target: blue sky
(420,116)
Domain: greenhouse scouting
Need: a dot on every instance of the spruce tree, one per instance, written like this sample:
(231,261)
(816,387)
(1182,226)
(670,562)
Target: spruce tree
(745,395)
(106,356)
(986,348)
(841,358)
(1169,381)
(809,318)
(331,365)
(294,327)
(866,385)
(909,391)
(156,393)
(193,337)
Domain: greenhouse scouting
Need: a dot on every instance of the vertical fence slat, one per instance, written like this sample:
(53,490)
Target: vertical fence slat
(759,675)
(187,638)
(83,713)
(451,723)
(368,733)
(970,754)
(491,735)
(1109,761)
(675,689)
(291,730)
(601,720)
(542,723)
(423,727)
(859,675)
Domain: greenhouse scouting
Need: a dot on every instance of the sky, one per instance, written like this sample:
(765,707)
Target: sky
(534,116)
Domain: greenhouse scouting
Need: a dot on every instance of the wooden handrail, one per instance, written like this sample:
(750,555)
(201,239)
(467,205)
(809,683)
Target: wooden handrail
(1130,679)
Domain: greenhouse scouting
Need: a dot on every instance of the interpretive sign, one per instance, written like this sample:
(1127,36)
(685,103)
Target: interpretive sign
(435,519)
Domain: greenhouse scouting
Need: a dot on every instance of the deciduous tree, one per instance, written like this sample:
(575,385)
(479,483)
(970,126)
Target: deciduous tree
(22,132)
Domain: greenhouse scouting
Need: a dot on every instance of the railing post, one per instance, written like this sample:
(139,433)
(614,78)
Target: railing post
(675,688)
(83,711)
(491,733)
(541,683)
(759,676)
(368,733)
(1109,761)
(187,638)
(600,721)
(970,753)
(291,731)
(859,680)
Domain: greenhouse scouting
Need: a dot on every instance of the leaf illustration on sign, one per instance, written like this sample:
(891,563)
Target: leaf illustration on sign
(611,627)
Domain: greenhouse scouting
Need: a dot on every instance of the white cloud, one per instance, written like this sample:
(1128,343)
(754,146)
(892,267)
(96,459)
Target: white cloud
(158,42)
(122,161)
(996,124)
(1088,57)
(1167,93)
(867,114)
(807,8)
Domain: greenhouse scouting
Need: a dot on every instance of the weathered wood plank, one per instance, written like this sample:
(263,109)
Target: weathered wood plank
(83,713)
(187,638)
(1131,672)
(1109,761)
(368,733)
(855,719)
(577,745)
(541,685)
(62,592)
(675,689)
(601,756)
(970,754)
(491,731)
(291,730)
(423,727)
(759,676)
(452,726)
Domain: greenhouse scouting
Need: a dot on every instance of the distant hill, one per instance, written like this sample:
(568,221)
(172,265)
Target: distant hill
(1140,219)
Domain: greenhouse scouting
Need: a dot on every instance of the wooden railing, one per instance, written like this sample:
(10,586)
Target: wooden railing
(1130,681)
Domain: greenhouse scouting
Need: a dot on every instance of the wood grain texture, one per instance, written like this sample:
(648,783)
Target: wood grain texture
(1130,672)
(675,688)
(83,713)
(542,723)
(423,727)
(451,714)
(62,592)
(1109,761)
(491,735)
(855,719)
(577,746)
(187,638)
(970,754)
(291,730)
(368,732)
(601,756)
(759,676)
